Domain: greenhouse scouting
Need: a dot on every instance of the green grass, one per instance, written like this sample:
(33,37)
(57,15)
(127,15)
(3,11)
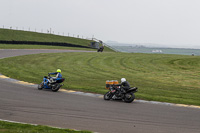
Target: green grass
(18,46)
(23,46)
(17,35)
(159,77)
(8,127)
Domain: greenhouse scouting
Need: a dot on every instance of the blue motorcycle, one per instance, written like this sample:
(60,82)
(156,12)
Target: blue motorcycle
(54,85)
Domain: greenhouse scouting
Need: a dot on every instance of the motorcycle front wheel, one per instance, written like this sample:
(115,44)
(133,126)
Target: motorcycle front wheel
(129,97)
(40,86)
(108,96)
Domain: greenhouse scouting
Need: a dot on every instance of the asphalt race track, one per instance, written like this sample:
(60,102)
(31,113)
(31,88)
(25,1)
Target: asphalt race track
(67,110)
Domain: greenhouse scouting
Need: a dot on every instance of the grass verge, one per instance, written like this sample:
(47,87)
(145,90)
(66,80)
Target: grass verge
(22,46)
(17,35)
(8,127)
(159,77)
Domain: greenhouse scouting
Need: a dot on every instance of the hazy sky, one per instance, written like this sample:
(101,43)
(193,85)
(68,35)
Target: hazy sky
(166,22)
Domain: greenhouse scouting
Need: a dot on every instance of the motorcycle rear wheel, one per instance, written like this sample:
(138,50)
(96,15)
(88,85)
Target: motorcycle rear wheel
(108,96)
(129,97)
(55,87)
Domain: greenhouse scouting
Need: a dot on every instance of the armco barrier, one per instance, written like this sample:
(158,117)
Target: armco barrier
(42,43)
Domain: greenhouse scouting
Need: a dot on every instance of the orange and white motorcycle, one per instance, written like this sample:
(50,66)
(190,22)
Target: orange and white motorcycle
(117,93)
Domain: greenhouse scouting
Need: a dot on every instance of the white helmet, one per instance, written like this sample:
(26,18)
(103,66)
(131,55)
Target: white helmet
(123,80)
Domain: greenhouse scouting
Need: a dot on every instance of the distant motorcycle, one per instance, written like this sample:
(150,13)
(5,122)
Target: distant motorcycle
(117,93)
(100,49)
(54,86)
